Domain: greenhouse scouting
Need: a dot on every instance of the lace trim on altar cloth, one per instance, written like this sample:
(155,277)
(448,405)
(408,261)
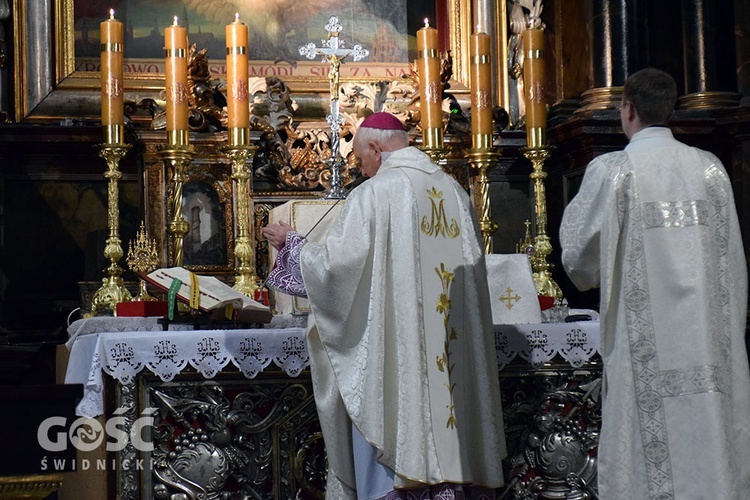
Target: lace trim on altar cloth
(123,355)
(576,342)
(286,275)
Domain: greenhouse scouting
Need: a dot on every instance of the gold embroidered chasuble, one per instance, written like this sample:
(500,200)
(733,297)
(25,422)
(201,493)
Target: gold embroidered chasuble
(401,338)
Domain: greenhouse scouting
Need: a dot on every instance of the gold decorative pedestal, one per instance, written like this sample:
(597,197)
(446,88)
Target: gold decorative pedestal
(245,281)
(113,289)
(176,157)
(545,285)
(481,160)
(143,258)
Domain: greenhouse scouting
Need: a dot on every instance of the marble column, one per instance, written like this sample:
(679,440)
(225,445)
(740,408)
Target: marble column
(617,48)
(742,40)
(707,82)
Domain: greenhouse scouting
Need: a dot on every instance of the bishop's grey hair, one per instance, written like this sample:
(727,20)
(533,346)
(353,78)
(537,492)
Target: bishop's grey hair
(392,137)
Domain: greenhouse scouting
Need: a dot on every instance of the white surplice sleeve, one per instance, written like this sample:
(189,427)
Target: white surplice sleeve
(591,215)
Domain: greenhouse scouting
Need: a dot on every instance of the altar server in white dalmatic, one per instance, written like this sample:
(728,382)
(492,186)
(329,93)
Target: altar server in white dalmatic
(655,227)
(401,346)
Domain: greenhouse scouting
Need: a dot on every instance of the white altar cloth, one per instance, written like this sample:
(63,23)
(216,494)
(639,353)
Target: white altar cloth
(124,354)
(97,324)
(538,343)
(165,354)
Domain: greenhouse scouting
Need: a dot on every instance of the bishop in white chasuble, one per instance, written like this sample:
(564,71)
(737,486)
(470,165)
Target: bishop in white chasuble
(401,338)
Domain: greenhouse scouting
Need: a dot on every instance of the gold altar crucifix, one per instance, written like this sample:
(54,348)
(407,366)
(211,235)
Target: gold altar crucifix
(333,52)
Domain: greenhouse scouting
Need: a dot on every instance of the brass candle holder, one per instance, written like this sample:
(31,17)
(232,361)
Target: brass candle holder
(433,144)
(238,151)
(435,154)
(113,289)
(545,285)
(142,258)
(177,154)
(481,160)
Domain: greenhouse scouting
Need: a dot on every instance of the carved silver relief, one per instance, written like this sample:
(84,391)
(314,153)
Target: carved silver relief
(252,439)
(127,459)
(216,440)
(552,431)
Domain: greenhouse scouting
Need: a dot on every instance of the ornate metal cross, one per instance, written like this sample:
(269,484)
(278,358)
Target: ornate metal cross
(333,52)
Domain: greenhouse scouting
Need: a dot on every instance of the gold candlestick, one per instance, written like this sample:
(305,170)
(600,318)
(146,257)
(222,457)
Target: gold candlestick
(142,258)
(245,280)
(436,154)
(545,285)
(177,155)
(112,290)
(481,160)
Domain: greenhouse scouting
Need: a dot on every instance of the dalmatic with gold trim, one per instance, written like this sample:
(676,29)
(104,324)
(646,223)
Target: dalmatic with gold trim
(401,338)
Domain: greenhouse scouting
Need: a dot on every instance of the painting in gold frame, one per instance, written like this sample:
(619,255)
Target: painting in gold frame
(51,86)
(207,204)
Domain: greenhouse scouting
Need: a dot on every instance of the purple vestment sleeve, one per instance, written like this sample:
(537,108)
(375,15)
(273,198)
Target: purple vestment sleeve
(286,275)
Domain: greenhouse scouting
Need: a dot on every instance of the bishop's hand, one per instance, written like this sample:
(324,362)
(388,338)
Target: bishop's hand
(276,233)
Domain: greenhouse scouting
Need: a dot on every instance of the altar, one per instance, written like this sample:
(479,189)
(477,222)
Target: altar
(232,411)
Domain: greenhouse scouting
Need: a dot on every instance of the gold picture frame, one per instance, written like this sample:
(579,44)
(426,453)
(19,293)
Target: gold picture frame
(207,181)
(49,87)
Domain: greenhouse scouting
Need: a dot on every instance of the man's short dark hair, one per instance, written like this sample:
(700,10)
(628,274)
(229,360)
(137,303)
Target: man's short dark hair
(653,92)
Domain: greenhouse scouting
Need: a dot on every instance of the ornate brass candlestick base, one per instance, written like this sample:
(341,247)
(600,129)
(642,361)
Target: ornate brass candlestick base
(545,285)
(433,144)
(112,290)
(435,154)
(143,258)
(481,160)
(176,157)
(245,281)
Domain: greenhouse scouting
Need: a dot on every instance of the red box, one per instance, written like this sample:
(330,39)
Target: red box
(142,308)
(545,302)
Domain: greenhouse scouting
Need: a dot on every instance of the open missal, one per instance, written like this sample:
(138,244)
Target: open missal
(213,295)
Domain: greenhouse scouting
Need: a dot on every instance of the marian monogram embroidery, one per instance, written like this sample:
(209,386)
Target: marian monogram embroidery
(438,224)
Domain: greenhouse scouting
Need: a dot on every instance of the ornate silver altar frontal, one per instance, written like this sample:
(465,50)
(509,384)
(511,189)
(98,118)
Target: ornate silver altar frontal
(233,434)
